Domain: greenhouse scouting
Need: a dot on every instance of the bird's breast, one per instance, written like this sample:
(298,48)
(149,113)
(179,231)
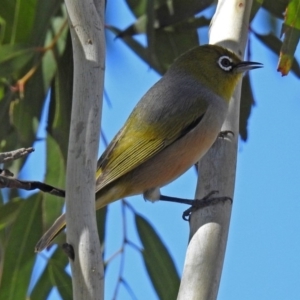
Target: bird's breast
(179,156)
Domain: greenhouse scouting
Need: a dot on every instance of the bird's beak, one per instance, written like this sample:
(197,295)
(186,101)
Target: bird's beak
(245,66)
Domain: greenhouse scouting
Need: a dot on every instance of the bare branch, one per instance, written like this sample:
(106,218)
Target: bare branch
(13,183)
(209,226)
(86,21)
(15,154)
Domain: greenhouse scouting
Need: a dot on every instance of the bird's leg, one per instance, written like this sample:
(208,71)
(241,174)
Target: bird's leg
(195,204)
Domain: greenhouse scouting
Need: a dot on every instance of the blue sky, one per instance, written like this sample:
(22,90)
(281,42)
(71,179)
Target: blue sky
(262,259)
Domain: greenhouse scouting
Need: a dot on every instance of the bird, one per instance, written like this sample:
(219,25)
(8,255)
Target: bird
(169,130)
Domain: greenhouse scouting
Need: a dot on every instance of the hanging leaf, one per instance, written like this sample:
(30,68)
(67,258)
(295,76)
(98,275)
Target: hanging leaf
(158,262)
(13,59)
(169,45)
(274,44)
(276,8)
(9,212)
(54,275)
(55,176)
(27,68)
(136,47)
(18,252)
(60,107)
(291,31)
(255,7)
(18,22)
(166,46)
(165,13)
(247,101)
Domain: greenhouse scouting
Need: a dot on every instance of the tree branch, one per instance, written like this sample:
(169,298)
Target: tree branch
(86,20)
(209,226)
(13,155)
(9,182)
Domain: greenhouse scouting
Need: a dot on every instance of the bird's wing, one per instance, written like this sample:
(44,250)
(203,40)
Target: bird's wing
(139,141)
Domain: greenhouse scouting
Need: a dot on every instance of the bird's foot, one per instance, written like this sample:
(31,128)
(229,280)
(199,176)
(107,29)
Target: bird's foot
(200,203)
(195,204)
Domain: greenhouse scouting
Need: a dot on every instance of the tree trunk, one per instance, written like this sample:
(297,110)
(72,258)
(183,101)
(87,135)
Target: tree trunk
(86,20)
(209,226)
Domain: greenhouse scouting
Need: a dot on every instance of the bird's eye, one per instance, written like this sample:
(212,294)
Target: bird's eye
(225,63)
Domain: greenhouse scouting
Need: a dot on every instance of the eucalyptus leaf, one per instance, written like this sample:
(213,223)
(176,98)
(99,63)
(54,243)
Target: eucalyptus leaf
(274,44)
(158,261)
(247,102)
(49,278)
(9,212)
(19,255)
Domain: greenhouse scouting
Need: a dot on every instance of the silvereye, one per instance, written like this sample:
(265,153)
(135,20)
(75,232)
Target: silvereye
(169,130)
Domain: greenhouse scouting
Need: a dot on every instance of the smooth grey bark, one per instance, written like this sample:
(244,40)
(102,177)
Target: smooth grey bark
(209,226)
(86,21)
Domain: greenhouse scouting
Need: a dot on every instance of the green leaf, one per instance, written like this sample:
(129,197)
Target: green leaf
(101,215)
(269,40)
(45,12)
(51,57)
(148,21)
(289,45)
(292,15)
(9,212)
(158,262)
(150,33)
(26,120)
(169,45)
(13,59)
(59,116)
(54,275)
(19,16)
(138,7)
(168,12)
(176,11)
(6,128)
(58,134)
(43,287)
(136,47)
(274,44)
(18,251)
(63,282)
(189,24)
(276,8)
(20,113)
(55,175)
(255,7)
(291,31)
(247,101)
(1,198)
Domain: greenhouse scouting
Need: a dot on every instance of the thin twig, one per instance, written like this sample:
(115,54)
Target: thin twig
(121,251)
(15,154)
(134,246)
(121,268)
(13,183)
(129,206)
(128,288)
(112,257)
(20,84)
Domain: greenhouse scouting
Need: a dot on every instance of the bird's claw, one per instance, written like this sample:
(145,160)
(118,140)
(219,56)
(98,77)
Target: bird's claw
(200,203)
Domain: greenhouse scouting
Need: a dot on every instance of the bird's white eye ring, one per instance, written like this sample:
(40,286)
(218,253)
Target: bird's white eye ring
(225,63)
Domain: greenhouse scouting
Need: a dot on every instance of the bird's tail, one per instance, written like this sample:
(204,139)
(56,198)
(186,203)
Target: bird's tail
(103,197)
(51,233)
